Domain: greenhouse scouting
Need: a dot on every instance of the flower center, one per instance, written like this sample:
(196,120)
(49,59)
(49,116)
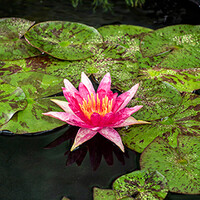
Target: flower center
(91,105)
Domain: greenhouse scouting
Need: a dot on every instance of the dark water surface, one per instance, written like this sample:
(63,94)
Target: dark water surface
(154,14)
(30,172)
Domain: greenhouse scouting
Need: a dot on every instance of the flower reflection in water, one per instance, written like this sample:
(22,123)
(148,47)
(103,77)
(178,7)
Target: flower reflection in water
(97,147)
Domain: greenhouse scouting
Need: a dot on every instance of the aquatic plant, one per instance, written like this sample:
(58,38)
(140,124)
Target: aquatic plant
(96,112)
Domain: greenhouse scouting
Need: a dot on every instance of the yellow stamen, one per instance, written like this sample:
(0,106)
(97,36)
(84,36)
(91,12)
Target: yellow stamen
(91,105)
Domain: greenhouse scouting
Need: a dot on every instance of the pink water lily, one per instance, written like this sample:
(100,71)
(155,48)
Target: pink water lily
(96,112)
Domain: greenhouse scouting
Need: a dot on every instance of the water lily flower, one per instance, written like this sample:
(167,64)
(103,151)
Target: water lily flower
(96,112)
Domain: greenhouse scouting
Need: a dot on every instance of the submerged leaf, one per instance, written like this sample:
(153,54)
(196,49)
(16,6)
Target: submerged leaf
(180,166)
(12,44)
(64,40)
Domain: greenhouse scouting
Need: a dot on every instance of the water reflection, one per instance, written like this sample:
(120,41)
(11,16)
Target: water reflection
(97,147)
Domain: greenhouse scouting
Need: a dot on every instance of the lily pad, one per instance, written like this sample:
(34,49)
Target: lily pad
(159,99)
(185,80)
(37,87)
(184,121)
(64,40)
(182,41)
(106,194)
(103,194)
(141,184)
(108,58)
(124,35)
(12,44)
(12,99)
(180,166)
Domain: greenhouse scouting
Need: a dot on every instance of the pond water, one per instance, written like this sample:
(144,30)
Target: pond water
(27,170)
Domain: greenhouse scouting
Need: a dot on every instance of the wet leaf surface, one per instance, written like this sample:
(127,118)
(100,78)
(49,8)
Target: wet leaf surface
(37,87)
(103,194)
(185,80)
(127,36)
(182,41)
(141,184)
(12,44)
(184,121)
(12,99)
(64,40)
(179,165)
(159,99)
(108,58)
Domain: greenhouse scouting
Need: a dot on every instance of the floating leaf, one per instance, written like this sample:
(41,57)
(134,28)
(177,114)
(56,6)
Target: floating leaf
(103,194)
(106,194)
(159,99)
(124,35)
(12,44)
(182,41)
(185,80)
(180,166)
(185,121)
(12,99)
(108,58)
(36,87)
(64,40)
(141,184)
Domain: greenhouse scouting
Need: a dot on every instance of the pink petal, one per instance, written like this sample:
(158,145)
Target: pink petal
(64,105)
(112,135)
(68,95)
(101,94)
(83,91)
(130,121)
(86,81)
(73,101)
(68,118)
(69,87)
(105,83)
(123,99)
(123,114)
(95,119)
(83,135)
(107,120)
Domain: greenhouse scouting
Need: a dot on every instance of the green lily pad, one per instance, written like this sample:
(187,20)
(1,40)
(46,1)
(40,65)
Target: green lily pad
(12,99)
(12,44)
(180,166)
(37,87)
(106,194)
(182,41)
(108,58)
(185,80)
(184,121)
(124,35)
(141,184)
(103,194)
(159,99)
(64,40)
